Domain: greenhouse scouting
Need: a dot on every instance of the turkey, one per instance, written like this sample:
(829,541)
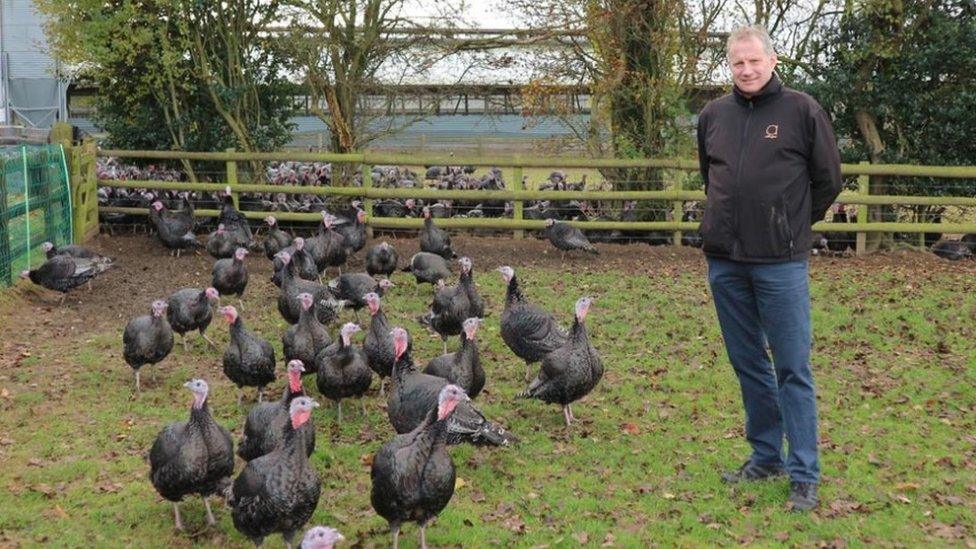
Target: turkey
(333,246)
(342,371)
(381,259)
(304,340)
(192,457)
(326,308)
(351,287)
(221,244)
(570,372)
(191,309)
(321,537)
(249,361)
(454,304)
(378,344)
(73,250)
(354,232)
(462,368)
(230,275)
(566,237)
(428,267)
(175,229)
(953,250)
(63,273)
(300,259)
(147,339)
(529,332)
(434,239)
(414,395)
(276,240)
(264,428)
(278,492)
(413,474)
(234,221)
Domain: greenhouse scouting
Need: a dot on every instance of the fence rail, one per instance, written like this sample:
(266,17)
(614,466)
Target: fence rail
(518,195)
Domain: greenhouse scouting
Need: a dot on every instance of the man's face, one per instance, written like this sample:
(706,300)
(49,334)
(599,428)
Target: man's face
(751,66)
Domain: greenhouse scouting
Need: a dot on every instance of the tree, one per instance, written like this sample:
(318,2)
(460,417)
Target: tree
(340,47)
(162,84)
(900,82)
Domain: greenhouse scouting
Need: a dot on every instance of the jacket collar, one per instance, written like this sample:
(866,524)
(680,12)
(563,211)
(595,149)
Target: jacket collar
(768,92)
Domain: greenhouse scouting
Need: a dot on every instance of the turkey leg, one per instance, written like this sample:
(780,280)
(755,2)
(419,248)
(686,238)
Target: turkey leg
(179,521)
(210,518)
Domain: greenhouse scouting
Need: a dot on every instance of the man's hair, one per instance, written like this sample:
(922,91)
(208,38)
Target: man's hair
(750,31)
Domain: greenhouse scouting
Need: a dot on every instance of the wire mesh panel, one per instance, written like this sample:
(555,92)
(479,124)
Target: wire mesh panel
(35,206)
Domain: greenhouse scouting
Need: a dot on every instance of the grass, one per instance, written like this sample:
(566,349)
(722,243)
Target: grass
(894,360)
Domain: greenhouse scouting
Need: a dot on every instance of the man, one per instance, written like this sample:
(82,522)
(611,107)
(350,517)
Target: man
(771,169)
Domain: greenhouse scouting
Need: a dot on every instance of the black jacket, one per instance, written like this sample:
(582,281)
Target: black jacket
(771,169)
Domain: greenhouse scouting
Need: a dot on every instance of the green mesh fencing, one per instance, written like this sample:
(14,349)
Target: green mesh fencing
(35,206)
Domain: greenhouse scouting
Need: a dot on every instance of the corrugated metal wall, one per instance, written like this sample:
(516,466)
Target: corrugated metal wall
(24,41)
(31,85)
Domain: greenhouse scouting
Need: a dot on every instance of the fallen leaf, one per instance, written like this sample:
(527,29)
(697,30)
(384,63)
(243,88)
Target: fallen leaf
(668,495)
(366,460)
(459,483)
(903,486)
(609,540)
(60,512)
(630,428)
(582,537)
(4,393)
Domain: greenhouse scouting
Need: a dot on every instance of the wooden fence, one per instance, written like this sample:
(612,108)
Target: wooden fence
(516,193)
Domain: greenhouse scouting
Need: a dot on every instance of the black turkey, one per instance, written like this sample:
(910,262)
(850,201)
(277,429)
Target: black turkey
(529,332)
(462,368)
(147,339)
(278,492)
(378,344)
(302,263)
(264,428)
(304,340)
(321,537)
(191,309)
(353,232)
(452,305)
(434,239)
(249,361)
(276,240)
(73,250)
(175,229)
(413,475)
(570,372)
(381,259)
(221,244)
(342,370)
(326,307)
(566,237)
(428,267)
(234,221)
(230,275)
(414,395)
(192,457)
(63,273)
(953,250)
(351,287)
(334,252)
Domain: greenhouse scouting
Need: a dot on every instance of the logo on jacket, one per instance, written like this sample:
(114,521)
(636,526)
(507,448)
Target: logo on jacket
(772,131)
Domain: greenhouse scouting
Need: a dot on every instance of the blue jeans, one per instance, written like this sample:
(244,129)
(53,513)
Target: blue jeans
(770,302)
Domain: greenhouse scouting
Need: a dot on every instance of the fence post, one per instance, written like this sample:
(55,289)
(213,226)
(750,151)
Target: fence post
(6,261)
(677,207)
(517,205)
(232,178)
(367,201)
(863,189)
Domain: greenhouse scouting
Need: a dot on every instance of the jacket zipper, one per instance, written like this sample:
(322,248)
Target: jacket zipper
(738,174)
